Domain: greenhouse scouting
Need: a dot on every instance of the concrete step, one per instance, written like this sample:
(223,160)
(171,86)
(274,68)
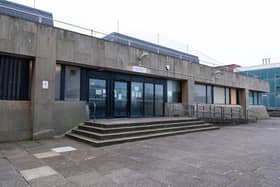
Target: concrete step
(129,123)
(97,142)
(112,135)
(111,128)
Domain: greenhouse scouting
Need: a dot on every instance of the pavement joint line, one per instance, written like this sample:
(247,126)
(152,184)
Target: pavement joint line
(63,149)
(39,172)
(46,154)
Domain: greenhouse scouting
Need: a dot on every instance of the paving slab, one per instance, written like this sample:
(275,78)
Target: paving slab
(46,154)
(63,149)
(35,173)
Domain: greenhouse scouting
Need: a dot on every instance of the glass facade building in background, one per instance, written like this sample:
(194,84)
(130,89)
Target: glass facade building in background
(271,73)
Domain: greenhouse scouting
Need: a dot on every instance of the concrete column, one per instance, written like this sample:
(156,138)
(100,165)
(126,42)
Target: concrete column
(188,92)
(244,99)
(44,70)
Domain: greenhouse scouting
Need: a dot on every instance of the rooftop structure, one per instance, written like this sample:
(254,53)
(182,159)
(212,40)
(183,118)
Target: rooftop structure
(151,47)
(24,12)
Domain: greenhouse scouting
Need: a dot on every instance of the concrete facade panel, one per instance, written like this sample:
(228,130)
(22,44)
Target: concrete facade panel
(15,120)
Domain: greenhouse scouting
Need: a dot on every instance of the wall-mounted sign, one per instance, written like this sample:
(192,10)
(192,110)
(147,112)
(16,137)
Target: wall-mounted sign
(139,69)
(45,84)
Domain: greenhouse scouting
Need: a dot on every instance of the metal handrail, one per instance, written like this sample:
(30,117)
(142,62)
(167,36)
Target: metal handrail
(92,110)
(219,114)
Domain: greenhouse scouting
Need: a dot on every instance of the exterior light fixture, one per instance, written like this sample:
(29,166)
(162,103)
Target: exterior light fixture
(144,54)
(167,67)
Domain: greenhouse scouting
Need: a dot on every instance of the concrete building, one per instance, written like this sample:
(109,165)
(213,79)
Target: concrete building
(51,80)
(270,73)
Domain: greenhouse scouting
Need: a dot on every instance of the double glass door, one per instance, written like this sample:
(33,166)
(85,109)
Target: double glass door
(112,98)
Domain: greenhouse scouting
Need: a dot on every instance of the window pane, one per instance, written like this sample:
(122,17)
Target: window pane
(227,96)
(173,91)
(200,93)
(158,100)
(57,81)
(219,95)
(136,99)
(255,98)
(120,98)
(72,83)
(97,98)
(14,78)
(149,100)
(233,96)
(209,94)
(251,101)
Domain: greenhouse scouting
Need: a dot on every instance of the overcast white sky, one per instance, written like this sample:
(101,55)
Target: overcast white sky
(230,31)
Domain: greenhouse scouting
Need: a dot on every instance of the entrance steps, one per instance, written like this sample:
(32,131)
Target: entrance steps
(107,132)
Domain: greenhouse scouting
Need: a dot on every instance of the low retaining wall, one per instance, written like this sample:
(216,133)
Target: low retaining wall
(68,114)
(259,111)
(174,109)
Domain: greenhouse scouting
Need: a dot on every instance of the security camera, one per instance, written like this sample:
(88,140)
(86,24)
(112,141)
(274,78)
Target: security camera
(167,67)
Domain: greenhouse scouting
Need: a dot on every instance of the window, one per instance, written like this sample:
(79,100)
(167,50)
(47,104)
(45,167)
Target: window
(57,81)
(278,91)
(256,100)
(219,95)
(173,91)
(227,90)
(72,83)
(251,98)
(14,78)
(209,93)
(233,96)
(200,93)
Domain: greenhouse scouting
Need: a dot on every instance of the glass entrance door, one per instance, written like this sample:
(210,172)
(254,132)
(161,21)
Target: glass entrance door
(136,99)
(120,99)
(97,98)
(149,99)
(159,100)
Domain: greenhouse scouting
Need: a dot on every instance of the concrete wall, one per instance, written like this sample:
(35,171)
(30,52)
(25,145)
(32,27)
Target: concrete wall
(15,120)
(49,45)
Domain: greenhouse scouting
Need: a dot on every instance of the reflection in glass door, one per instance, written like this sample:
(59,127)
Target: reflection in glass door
(97,98)
(149,99)
(136,99)
(158,100)
(120,99)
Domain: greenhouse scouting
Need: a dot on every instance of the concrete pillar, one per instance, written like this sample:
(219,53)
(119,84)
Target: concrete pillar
(188,92)
(43,70)
(244,99)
